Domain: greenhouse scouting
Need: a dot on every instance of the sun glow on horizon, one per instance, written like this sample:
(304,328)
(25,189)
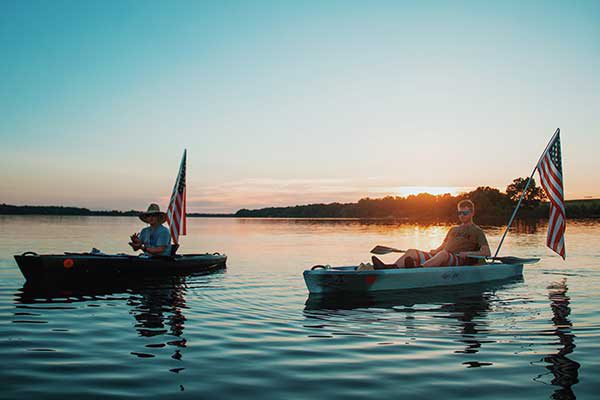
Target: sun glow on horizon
(404,191)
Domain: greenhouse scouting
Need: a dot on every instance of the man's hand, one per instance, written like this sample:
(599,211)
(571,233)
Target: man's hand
(135,238)
(135,243)
(135,246)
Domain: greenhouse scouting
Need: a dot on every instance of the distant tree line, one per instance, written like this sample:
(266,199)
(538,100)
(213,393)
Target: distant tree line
(8,209)
(490,203)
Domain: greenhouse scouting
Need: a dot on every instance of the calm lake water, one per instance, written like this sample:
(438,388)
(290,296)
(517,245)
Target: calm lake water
(252,331)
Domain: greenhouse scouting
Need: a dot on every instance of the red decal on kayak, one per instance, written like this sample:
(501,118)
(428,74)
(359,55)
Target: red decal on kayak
(68,263)
(370,279)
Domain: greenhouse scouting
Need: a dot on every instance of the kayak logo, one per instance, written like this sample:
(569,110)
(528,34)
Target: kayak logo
(450,275)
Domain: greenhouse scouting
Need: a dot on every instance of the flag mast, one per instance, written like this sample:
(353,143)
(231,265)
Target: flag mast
(512,217)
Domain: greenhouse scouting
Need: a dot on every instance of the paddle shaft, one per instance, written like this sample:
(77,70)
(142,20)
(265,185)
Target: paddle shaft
(506,259)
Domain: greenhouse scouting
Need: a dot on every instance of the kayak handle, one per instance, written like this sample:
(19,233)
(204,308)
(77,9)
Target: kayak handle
(30,253)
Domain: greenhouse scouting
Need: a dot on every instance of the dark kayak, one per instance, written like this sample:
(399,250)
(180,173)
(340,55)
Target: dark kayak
(87,267)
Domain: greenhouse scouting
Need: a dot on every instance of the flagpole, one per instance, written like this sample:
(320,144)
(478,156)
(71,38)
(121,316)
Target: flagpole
(512,217)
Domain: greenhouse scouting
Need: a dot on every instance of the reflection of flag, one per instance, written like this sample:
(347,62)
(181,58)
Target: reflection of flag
(176,211)
(550,169)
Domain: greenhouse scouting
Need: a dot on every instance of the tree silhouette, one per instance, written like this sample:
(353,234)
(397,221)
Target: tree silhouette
(532,198)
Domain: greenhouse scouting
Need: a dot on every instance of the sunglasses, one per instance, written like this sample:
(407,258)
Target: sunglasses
(465,212)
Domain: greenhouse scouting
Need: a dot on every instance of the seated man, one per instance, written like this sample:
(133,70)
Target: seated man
(153,240)
(462,241)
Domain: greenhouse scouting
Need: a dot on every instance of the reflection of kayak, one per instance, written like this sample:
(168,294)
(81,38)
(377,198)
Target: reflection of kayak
(391,299)
(31,293)
(347,279)
(80,267)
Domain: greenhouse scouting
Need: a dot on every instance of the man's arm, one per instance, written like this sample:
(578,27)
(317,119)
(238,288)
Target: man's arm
(161,244)
(153,250)
(483,251)
(443,245)
(438,249)
(484,247)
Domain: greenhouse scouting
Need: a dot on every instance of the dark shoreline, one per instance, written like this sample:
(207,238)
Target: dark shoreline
(6,209)
(486,220)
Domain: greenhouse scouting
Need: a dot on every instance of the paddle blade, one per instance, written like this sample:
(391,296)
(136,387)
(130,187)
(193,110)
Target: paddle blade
(509,259)
(516,260)
(385,250)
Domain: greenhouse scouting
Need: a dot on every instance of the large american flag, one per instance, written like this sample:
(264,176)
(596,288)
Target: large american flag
(550,169)
(176,211)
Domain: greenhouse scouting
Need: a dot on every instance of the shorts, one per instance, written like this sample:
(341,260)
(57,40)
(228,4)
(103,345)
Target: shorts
(453,259)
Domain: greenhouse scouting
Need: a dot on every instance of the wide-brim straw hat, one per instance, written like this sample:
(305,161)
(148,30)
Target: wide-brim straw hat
(153,209)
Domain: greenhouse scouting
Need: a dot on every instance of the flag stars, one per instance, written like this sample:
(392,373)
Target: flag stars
(555,155)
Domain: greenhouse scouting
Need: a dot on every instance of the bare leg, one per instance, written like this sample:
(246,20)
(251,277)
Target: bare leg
(412,253)
(378,264)
(438,260)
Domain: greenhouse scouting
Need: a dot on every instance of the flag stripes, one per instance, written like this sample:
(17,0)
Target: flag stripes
(550,170)
(177,206)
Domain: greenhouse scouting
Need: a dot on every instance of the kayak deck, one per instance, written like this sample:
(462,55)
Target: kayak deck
(80,267)
(347,279)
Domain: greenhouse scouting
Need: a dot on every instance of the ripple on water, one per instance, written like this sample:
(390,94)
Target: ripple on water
(252,331)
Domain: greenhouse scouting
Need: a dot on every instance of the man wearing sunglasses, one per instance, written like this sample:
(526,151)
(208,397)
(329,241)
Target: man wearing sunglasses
(462,241)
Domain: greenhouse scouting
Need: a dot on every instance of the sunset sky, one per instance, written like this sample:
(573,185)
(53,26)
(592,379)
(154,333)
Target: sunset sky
(291,102)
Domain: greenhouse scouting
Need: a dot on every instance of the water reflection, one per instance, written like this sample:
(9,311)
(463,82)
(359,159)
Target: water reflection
(528,226)
(157,305)
(470,311)
(465,308)
(564,370)
(492,225)
(159,311)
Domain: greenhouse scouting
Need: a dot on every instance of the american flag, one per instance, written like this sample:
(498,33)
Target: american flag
(176,211)
(550,169)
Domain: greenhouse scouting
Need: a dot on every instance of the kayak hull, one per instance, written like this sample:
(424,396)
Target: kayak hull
(83,267)
(347,279)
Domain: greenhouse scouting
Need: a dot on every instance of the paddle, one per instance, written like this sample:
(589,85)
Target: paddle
(509,259)
(385,250)
(506,260)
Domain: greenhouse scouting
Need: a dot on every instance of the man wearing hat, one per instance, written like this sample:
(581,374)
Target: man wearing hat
(153,240)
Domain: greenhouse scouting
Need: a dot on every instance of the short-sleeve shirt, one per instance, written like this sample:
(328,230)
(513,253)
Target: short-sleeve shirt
(157,238)
(467,237)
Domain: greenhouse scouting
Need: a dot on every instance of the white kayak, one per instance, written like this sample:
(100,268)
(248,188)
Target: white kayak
(347,279)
